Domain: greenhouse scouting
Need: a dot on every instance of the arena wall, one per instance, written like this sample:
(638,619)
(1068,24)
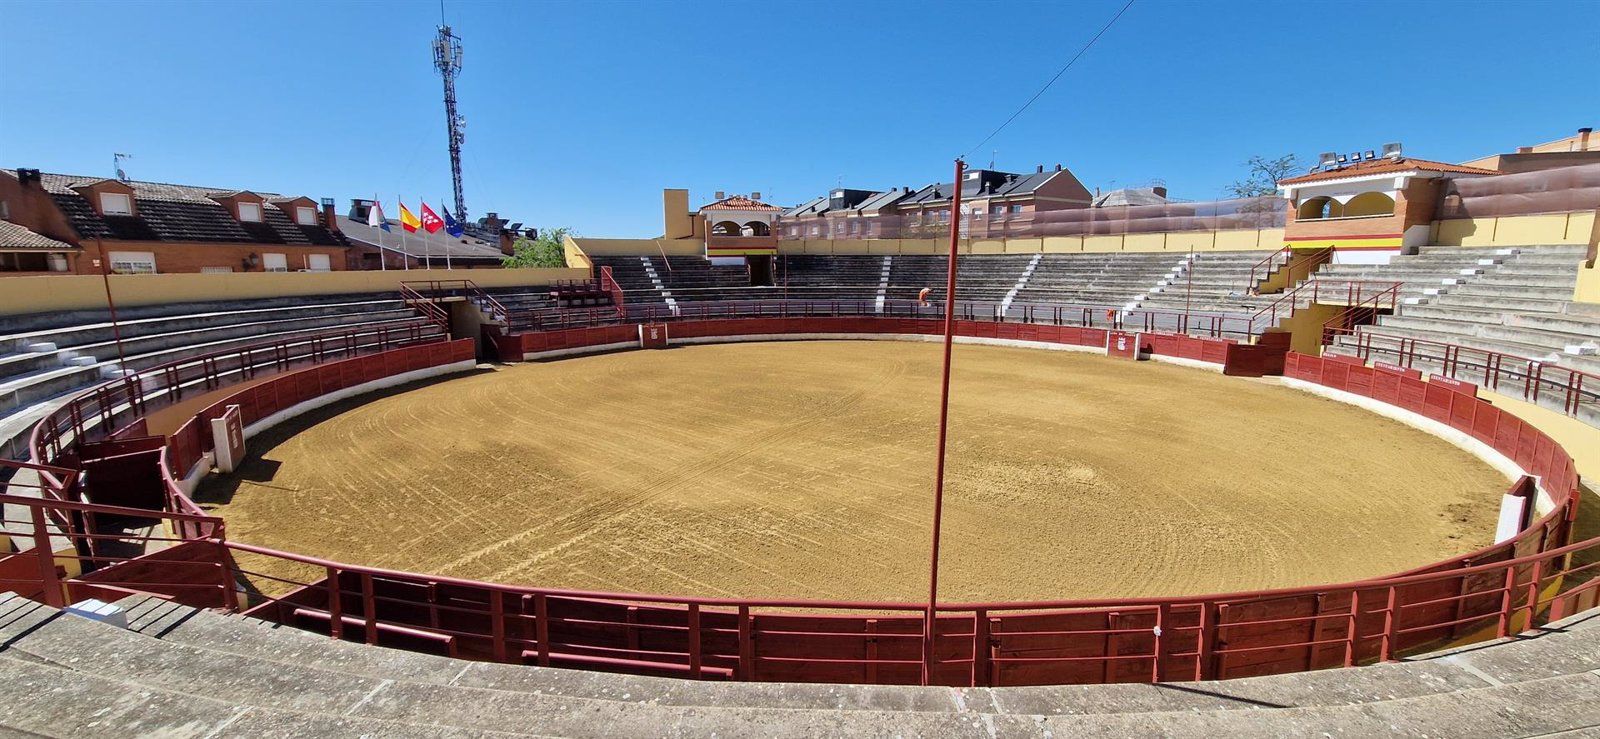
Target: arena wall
(38,294)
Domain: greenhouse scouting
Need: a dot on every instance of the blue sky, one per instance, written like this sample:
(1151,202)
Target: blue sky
(579,113)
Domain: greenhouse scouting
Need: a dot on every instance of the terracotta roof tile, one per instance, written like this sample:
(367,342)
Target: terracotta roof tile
(740,202)
(1382,166)
(14,236)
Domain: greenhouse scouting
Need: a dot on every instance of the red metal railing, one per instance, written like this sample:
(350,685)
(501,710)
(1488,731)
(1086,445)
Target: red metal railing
(425,304)
(101,411)
(430,291)
(1307,261)
(609,284)
(1346,292)
(1534,380)
(1217,325)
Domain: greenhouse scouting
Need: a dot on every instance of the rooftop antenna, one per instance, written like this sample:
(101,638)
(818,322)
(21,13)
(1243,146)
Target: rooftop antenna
(993,154)
(447,59)
(116,165)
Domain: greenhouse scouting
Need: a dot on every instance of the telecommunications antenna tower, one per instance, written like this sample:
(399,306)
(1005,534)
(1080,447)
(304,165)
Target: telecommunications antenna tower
(447,59)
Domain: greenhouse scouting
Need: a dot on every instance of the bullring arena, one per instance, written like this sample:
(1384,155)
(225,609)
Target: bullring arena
(799,470)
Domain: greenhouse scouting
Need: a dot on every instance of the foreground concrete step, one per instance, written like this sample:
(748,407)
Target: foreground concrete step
(124,656)
(43,700)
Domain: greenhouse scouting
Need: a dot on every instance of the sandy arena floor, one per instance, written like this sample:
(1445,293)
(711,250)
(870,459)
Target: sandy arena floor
(804,469)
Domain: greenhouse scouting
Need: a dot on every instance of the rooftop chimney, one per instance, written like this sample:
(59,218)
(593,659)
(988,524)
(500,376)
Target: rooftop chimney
(1058,168)
(1524,150)
(721,195)
(1161,192)
(755,195)
(28,176)
(1040,170)
(1583,138)
(330,219)
(359,209)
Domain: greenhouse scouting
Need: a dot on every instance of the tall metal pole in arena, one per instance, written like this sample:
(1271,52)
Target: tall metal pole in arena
(447,59)
(944,421)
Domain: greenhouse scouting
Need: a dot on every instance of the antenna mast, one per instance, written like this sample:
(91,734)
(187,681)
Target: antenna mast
(447,59)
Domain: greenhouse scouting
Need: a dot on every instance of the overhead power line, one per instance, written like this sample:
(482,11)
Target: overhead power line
(1062,71)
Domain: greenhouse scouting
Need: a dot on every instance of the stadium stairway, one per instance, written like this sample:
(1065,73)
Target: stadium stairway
(1097,279)
(1519,306)
(52,356)
(177,671)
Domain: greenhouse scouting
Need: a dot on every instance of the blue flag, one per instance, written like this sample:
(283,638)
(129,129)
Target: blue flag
(375,217)
(450,225)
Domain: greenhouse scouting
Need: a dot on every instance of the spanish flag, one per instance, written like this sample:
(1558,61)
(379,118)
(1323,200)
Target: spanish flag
(408,220)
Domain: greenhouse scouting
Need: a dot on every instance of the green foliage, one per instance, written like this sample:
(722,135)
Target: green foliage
(1264,176)
(546,250)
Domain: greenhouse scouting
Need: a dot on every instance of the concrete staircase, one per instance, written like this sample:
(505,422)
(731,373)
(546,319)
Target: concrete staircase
(181,672)
(1521,305)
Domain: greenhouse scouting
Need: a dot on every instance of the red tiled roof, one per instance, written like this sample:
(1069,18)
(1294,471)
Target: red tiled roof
(1382,166)
(739,202)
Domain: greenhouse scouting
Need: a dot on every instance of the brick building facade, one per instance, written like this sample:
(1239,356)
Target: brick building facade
(91,223)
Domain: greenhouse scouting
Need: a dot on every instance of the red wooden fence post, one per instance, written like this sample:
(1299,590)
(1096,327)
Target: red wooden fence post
(335,613)
(694,640)
(47,560)
(369,607)
(1386,649)
(541,627)
(497,616)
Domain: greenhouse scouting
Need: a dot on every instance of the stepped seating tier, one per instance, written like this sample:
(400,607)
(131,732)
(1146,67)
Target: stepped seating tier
(66,676)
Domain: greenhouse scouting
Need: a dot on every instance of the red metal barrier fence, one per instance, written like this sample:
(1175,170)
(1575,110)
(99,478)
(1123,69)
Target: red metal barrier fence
(1494,591)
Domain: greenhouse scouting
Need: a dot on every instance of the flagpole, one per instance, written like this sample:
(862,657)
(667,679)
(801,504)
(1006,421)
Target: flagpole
(383,264)
(405,246)
(447,252)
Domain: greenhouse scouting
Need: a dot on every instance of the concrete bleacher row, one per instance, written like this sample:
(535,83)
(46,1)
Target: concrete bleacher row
(1514,301)
(45,358)
(177,670)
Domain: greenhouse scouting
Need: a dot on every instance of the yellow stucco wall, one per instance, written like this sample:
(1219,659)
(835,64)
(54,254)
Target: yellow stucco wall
(1555,228)
(1246,240)
(78,292)
(1588,290)
(636,247)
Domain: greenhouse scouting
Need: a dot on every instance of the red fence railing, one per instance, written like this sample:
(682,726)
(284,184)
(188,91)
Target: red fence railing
(1536,381)
(107,408)
(1215,325)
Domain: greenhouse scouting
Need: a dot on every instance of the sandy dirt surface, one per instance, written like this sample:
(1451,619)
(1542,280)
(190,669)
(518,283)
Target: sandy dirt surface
(804,470)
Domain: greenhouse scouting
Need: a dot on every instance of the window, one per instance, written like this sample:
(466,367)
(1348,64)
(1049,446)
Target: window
(5,210)
(250,212)
(275,262)
(115,204)
(1016,209)
(318,263)
(815,230)
(305,216)
(133,262)
(12,261)
(998,210)
(215,270)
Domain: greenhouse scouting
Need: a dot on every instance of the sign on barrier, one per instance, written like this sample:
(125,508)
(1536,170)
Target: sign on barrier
(227,437)
(1123,344)
(1465,388)
(653,335)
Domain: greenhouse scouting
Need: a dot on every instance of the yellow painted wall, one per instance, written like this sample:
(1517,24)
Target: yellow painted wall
(637,247)
(78,292)
(1588,290)
(576,257)
(1268,239)
(1555,228)
(1305,327)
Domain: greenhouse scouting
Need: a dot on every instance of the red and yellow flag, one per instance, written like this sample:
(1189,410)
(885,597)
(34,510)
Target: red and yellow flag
(408,220)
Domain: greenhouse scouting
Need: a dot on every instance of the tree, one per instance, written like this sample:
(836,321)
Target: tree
(1264,176)
(545,250)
